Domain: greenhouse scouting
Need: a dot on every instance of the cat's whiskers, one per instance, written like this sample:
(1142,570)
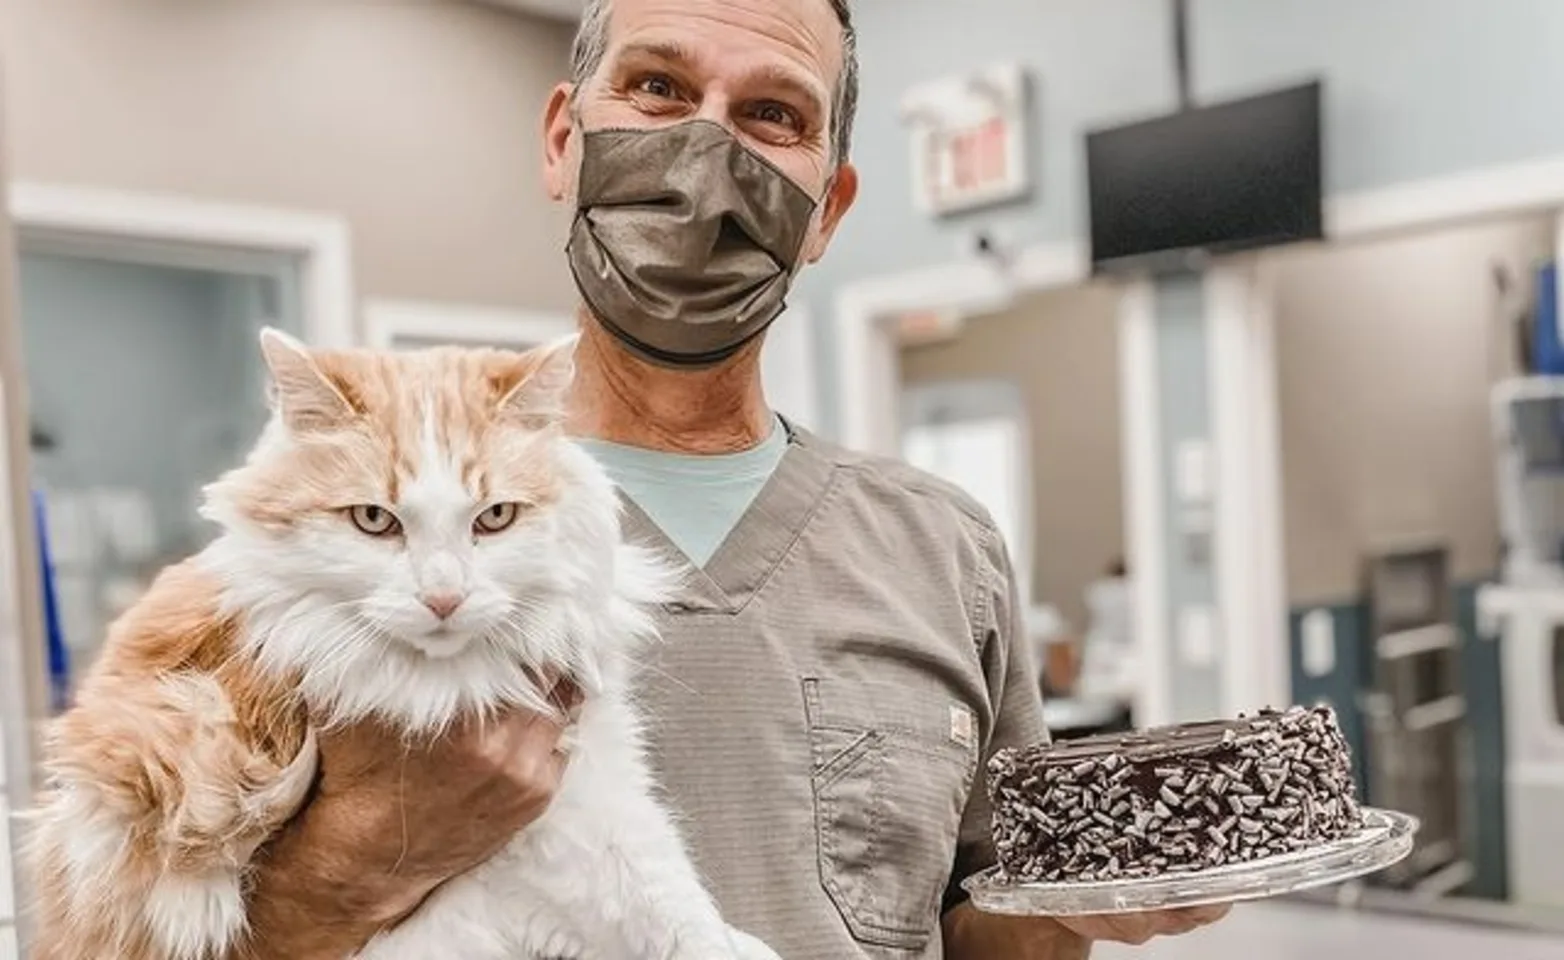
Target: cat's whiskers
(512,637)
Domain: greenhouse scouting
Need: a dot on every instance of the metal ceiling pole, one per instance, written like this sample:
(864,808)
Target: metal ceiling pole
(1181,52)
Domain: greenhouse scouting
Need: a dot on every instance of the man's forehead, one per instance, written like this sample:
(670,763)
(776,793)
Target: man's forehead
(806,33)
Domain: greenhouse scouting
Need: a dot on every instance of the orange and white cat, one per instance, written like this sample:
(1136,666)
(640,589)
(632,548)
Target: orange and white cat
(413,539)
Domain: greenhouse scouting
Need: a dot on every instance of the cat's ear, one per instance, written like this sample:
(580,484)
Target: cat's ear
(304,395)
(539,399)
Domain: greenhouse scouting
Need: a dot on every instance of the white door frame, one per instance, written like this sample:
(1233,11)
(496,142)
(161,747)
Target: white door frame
(179,231)
(868,384)
(387,320)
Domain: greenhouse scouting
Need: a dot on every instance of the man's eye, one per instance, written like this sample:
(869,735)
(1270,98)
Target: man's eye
(660,87)
(775,113)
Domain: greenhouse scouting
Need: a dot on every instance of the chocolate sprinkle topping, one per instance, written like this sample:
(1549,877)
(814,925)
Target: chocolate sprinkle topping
(1172,800)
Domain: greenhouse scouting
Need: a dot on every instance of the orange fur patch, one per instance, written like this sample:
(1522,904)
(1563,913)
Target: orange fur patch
(172,732)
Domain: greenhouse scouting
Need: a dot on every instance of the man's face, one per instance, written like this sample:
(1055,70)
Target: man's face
(765,69)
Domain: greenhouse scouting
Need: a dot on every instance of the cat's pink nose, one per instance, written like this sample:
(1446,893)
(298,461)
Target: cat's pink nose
(442,605)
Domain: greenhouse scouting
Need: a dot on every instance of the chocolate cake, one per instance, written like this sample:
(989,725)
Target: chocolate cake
(1172,799)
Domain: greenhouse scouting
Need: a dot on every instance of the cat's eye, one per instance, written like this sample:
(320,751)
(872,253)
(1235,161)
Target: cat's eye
(497,518)
(374,520)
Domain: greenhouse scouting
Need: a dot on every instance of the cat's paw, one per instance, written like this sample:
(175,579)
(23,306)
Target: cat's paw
(746,947)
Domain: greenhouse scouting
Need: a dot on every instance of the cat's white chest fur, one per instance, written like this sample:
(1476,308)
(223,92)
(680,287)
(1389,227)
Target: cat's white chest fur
(603,874)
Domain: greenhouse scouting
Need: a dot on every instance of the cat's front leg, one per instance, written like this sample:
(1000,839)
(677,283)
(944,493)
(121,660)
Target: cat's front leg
(608,856)
(666,912)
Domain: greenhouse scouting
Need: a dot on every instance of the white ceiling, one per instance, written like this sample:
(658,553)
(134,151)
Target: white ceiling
(554,9)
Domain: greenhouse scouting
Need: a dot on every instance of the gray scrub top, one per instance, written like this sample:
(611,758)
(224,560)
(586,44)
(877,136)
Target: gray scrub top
(827,692)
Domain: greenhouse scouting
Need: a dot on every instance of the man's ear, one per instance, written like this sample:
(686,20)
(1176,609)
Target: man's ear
(839,197)
(539,400)
(307,399)
(558,125)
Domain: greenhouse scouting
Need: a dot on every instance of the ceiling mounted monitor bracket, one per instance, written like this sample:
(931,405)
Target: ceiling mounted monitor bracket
(1181,52)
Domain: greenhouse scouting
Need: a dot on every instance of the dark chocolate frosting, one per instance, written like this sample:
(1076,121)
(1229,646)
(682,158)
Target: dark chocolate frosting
(1172,799)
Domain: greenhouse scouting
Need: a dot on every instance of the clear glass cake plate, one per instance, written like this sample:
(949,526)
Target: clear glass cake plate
(1384,840)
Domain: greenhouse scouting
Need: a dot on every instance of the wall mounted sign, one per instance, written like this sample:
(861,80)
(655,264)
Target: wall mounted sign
(969,139)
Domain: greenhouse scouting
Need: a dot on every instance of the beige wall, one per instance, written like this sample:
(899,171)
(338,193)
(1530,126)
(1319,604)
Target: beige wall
(417,120)
(1386,352)
(1062,347)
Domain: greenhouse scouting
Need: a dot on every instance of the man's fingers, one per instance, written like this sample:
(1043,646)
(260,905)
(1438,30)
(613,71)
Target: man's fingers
(1178,922)
(557,761)
(1136,929)
(1202,916)
(1132,929)
(565,694)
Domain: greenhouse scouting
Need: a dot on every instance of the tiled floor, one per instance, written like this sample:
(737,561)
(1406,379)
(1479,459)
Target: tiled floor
(1273,932)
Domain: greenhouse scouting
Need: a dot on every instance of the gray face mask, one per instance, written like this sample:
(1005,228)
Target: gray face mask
(684,242)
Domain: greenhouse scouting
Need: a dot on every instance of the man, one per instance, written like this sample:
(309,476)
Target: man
(840,663)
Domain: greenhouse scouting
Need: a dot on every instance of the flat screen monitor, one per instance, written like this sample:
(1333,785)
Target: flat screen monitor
(1233,176)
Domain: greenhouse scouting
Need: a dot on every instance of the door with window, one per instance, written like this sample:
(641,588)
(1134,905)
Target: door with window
(145,383)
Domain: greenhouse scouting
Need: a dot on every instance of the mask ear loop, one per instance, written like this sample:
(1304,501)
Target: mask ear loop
(816,217)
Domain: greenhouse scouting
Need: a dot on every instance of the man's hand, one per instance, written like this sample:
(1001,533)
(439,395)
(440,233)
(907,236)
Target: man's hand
(391,822)
(1138,928)
(972,935)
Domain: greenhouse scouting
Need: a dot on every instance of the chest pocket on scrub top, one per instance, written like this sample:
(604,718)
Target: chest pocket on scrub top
(890,773)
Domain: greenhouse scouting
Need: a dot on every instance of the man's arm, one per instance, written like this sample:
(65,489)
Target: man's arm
(971,935)
(310,900)
(1016,693)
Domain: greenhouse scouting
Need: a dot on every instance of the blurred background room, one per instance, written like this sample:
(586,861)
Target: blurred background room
(1238,461)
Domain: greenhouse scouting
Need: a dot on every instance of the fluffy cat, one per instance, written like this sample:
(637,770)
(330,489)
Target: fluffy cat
(412,539)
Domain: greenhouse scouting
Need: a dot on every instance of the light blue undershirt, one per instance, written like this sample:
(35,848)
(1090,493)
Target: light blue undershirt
(696,501)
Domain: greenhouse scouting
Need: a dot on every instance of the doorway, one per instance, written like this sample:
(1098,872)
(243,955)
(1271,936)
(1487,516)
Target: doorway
(236,266)
(1020,407)
(145,382)
(1391,352)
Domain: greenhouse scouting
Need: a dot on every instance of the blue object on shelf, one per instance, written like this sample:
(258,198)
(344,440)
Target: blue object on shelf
(54,632)
(1547,355)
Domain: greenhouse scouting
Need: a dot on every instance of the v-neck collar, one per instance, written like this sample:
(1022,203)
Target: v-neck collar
(757,544)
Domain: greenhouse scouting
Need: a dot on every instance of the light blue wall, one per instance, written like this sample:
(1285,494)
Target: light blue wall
(1095,62)
(1414,88)
(149,376)
(149,379)
(119,361)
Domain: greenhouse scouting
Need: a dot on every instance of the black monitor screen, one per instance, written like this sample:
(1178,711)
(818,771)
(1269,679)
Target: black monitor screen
(1233,176)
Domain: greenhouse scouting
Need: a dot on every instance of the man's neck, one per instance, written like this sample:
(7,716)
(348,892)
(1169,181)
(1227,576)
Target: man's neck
(621,398)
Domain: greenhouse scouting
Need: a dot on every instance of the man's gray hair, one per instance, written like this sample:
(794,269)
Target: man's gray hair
(591,46)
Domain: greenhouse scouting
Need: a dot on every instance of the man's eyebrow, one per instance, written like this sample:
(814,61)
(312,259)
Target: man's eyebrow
(781,78)
(668,51)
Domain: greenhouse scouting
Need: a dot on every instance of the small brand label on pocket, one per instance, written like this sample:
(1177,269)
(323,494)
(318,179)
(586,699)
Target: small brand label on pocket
(961,731)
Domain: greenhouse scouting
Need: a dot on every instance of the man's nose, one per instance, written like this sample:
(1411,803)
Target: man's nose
(717,108)
(442,604)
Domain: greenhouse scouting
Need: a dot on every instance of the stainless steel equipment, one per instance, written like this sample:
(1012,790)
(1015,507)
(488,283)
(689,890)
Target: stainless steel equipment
(1418,745)
(1525,615)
